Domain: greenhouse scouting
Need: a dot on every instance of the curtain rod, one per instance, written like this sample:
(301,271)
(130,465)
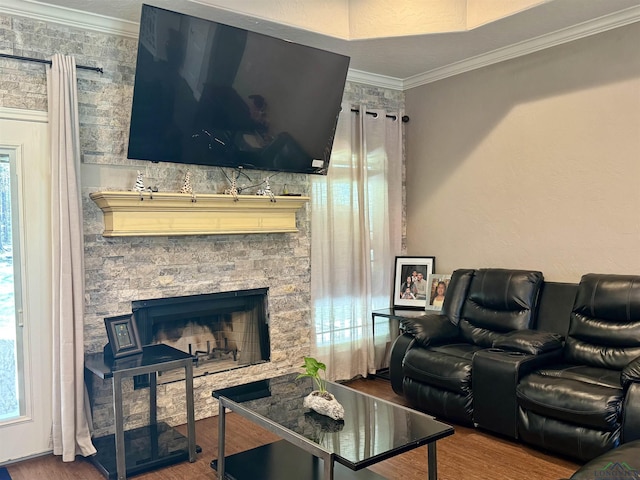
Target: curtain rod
(48,62)
(405,118)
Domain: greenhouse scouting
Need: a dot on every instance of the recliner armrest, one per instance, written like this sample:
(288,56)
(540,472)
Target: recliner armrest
(430,329)
(533,342)
(630,373)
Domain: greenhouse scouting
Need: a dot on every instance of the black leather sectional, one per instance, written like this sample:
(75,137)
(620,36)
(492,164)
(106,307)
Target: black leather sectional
(555,365)
(619,463)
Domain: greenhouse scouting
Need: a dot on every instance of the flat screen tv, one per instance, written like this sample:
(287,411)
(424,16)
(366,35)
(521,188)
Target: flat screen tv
(211,94)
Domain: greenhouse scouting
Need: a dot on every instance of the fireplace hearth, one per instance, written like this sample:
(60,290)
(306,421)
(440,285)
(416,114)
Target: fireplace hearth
(224,331)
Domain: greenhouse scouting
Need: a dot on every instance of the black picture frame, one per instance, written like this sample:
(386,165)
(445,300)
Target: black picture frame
(404,268)
(123,335)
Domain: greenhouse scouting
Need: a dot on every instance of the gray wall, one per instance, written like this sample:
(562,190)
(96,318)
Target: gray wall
(531,163)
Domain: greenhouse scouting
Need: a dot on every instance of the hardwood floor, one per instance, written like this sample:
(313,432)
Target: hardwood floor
(469,454)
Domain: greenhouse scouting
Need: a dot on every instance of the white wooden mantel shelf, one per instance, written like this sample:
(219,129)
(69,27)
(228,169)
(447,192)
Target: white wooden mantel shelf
(128,214)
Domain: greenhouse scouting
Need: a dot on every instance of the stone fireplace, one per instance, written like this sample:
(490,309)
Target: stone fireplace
(140,274)
(224,331)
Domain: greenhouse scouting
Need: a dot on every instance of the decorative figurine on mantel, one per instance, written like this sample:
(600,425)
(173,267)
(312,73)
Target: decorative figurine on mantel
(139,185)
(186,186)
(233,187)
(266,191)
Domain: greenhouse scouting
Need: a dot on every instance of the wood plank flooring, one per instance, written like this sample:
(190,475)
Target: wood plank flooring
(469,454)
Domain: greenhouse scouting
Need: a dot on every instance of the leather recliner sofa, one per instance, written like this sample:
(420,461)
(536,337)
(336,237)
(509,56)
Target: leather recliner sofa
(578,398)
(588,400)
(621,463)
(480,306)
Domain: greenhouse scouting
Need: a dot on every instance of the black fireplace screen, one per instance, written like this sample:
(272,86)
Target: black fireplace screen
(223,330)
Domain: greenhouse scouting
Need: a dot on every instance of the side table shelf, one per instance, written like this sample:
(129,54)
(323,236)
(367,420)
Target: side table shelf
(141,449)
(146,448)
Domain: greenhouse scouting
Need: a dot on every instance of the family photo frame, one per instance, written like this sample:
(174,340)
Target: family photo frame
(438,286)
(122,332)
(411,289)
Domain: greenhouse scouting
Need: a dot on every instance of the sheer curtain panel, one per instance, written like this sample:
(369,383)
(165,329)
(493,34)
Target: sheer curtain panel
(71,435)
(356,227)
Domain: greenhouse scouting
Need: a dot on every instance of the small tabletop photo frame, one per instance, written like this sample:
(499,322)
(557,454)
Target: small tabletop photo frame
(124,339)
(411,288)
(438,286)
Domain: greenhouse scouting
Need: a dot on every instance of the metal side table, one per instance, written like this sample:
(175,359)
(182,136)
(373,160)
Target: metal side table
(157,445)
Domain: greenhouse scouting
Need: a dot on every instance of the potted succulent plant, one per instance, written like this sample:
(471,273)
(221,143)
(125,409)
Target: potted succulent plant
(320,400)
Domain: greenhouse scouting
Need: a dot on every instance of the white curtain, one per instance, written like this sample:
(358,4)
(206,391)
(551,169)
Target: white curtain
(71,435)
(356,229)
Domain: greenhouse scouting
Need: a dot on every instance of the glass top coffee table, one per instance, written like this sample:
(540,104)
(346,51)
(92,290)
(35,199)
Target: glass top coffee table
(316,447)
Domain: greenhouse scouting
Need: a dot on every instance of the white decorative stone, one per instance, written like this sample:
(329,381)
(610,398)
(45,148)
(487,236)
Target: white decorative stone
(330,407)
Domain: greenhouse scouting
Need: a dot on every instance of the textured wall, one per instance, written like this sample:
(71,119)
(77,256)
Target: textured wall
(531,163)
(119,270)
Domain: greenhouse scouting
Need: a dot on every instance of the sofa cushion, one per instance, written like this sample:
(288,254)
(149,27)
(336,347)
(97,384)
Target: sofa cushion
(586,396)
(581,373)
(604,329)
(630,373)
(620,462)
(456,294)
(530,341)
(499,301)
(439,402)
(565,438)
(447,366)
(430,329)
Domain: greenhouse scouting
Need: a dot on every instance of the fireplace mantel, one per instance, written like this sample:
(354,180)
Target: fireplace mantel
(128,214)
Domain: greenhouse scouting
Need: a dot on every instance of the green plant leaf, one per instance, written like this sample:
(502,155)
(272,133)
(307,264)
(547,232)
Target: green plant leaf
(312,369)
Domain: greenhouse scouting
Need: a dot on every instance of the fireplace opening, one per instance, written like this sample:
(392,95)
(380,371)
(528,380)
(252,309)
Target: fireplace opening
(224,331)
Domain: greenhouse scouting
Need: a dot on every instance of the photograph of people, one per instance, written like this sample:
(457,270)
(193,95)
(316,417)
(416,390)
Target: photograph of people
(407,294)
(412,282)
(414,276)
(438,286)
(421,287)
(408,284)
(437,297)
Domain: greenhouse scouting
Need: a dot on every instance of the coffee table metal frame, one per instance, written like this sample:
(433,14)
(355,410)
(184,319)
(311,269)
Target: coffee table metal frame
(300,441)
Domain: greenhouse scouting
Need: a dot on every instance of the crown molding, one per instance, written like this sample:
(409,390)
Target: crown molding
(585,29)
(374,79)
(109,25)
(70,17)
(113,26)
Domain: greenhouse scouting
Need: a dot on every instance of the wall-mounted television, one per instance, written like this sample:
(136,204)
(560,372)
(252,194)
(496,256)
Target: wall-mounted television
(212,94)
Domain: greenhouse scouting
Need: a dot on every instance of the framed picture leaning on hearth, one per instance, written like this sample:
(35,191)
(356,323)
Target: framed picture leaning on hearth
(410,288)
(122,332)
(438,285)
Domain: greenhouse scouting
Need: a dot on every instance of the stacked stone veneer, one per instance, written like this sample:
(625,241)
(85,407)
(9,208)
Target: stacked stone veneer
(119,270)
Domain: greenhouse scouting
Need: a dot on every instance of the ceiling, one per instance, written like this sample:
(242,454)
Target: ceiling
(411,43)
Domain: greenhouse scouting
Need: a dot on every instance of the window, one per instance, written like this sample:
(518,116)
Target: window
(356,220)
(26,361)
(12,403)
(338,317)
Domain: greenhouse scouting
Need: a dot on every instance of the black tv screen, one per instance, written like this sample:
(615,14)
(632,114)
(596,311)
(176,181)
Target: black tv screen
(211,94)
